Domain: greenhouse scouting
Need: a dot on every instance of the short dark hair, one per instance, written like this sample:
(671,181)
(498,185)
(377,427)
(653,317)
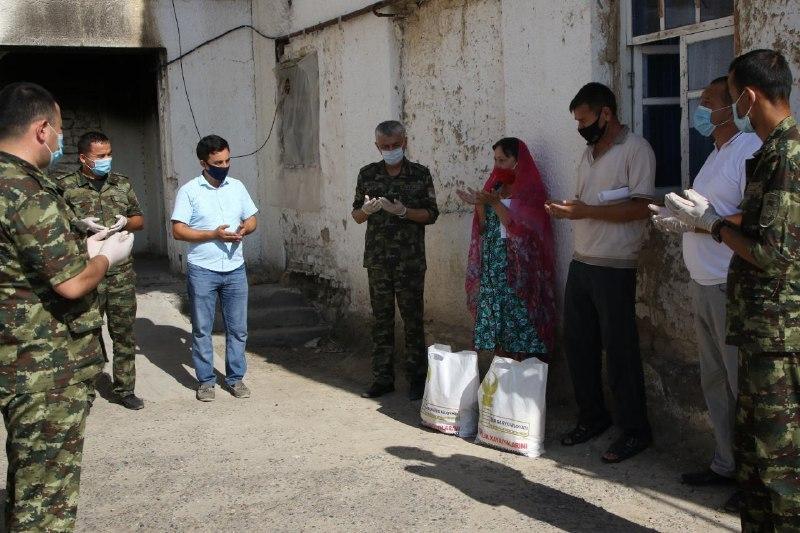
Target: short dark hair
(22,103)
(210,144)
(509,146)
(766,70)
(390,128)
(86,140)
(726,95)
(596,96)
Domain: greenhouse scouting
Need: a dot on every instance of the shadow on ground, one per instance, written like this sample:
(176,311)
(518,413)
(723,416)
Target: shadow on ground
(492,483)
(345,364)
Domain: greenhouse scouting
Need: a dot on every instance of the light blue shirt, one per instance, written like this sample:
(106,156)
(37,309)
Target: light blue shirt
(203,207)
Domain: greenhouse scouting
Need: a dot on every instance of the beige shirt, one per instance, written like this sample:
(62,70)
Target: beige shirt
(630,163)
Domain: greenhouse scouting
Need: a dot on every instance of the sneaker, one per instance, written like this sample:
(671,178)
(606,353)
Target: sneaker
(205,392)
(131,401)
(238,390)
(378,389)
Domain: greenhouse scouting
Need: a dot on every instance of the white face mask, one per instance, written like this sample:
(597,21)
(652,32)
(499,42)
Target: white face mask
(393,157)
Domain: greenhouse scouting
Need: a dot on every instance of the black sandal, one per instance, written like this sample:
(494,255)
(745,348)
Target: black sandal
(583,433)
(625,447)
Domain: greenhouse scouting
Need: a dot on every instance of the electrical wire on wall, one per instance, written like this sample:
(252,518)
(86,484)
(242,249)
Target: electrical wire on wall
(183,77)
(179,60)
(280,41)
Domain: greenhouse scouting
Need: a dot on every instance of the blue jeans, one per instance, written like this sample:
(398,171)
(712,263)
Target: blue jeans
(204,285)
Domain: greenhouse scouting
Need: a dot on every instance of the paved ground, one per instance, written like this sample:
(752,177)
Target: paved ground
(306,453)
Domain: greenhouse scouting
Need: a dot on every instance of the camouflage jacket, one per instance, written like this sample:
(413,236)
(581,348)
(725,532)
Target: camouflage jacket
(764,300)
(46,341)
(393,242)
(116,197)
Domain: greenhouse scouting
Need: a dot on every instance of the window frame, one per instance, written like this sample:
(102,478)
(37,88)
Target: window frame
(634,48)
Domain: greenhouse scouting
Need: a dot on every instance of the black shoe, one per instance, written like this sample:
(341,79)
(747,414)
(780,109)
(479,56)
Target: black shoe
(734,503)
(377,390)
(583,433)
(705,478)
(624,448)
(131,401)
(416,390)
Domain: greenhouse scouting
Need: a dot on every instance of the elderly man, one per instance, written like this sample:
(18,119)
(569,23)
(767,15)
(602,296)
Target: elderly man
(763,292)
(396,199)
(722,181)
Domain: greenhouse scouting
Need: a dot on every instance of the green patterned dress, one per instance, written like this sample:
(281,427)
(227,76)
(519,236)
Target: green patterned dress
(502,320)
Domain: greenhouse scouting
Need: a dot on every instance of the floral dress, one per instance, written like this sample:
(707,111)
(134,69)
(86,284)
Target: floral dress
(502,320)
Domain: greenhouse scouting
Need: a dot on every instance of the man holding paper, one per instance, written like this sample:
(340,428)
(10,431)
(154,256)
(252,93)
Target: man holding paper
(617,166)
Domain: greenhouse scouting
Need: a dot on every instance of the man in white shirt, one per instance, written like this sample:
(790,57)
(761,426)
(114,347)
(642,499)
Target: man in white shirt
(615,183)
(722,181)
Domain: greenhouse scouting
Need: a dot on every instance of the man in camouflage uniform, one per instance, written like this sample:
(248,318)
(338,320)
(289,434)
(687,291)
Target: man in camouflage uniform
(397,200)
(763,293)
(102,200)
(49,320)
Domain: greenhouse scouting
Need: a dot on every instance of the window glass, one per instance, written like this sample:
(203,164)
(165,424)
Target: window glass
(645,17)
(661,126)
(661,75)
(678,13)
(715,9)
(707,60)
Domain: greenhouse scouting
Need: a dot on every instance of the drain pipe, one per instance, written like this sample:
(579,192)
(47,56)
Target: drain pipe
(281,42)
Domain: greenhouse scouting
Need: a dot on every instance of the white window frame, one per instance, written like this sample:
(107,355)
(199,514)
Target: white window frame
(634,48)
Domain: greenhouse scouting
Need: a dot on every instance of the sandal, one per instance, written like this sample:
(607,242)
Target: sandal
(583,433)
(625,447)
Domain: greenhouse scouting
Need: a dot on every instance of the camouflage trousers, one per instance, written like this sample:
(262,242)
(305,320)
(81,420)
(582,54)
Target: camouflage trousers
(117,300)
(767,440)
(44,447)
(407,287)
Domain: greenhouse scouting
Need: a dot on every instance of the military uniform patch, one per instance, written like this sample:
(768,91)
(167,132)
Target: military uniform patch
(769,209)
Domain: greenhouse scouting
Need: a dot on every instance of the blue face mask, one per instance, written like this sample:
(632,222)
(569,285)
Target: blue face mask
(702,120)
(101,167)
(393,157)
(59,153)
(218,173)
(743,123)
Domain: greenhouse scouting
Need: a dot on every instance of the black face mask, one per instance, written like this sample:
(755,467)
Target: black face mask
(218,173)
(593,132)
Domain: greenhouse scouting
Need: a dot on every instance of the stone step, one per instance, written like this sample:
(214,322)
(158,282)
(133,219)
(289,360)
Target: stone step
(268,317)
(260,296)
(286,337)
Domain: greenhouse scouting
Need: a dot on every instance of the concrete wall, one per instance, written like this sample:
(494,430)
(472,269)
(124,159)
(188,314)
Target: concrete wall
(220,77)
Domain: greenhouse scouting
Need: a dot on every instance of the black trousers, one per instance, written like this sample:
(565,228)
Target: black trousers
(599,313)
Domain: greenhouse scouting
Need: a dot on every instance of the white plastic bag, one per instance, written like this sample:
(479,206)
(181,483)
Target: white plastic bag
(450,403)
(512,406)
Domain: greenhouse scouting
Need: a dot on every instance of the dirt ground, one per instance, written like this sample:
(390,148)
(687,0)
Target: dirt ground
(305,452)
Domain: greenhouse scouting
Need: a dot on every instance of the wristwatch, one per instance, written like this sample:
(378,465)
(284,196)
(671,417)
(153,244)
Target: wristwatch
(716,229)
(404,213)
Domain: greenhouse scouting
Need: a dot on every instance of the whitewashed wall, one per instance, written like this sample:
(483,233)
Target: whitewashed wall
(220,77)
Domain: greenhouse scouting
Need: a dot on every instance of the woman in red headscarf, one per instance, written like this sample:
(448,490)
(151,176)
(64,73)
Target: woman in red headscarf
(510,275)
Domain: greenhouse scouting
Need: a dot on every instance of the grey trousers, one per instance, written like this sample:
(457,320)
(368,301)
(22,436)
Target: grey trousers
(718,370)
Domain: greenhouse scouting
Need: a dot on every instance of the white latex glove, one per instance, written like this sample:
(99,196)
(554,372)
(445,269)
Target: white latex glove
(92,224)
(117,248)
(694,210)
(665,220)
(371,205)
(121,222)
(395,208)
(95,242)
